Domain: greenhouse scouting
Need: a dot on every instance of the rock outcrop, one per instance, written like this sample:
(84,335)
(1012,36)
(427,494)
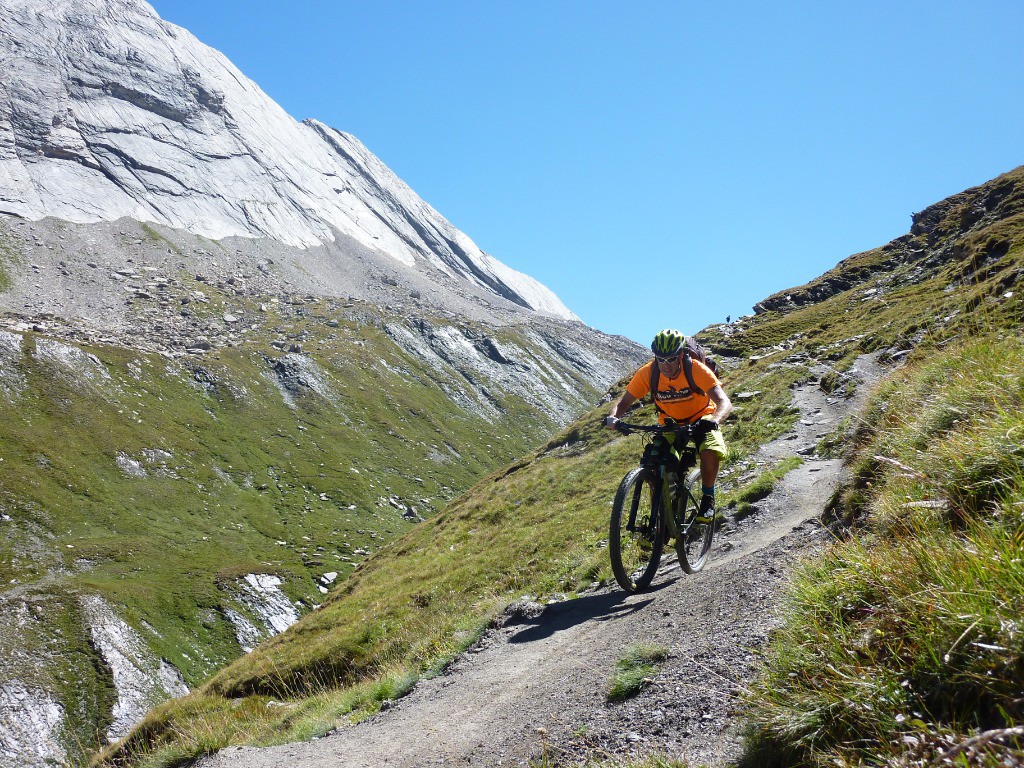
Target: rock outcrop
(107,111)
(947,232)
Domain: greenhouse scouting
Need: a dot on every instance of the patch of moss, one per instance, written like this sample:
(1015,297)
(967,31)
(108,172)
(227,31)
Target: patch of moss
(8,255)
(156,237)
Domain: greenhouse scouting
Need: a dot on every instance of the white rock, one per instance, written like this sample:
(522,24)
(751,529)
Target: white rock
(261,596)
(141,679)
(30,721)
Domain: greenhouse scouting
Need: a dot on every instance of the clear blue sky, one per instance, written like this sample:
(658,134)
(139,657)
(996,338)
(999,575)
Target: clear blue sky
(655,163)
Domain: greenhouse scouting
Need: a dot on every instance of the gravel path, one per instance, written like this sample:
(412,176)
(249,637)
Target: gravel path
(536,687)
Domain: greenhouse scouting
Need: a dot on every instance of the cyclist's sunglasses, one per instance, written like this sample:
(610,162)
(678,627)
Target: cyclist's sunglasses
(667,358)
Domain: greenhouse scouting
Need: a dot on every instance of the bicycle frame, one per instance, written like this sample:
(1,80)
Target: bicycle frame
(683,442)
(663,471)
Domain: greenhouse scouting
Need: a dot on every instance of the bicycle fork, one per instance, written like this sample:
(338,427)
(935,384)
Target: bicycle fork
(667,481)
(661,504)
(634,504)
(656,497)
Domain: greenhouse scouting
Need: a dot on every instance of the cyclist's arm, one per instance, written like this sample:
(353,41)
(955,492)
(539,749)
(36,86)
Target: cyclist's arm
(723,405)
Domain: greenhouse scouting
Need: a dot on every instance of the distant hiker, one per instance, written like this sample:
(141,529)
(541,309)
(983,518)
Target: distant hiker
(687,391)
(728,318)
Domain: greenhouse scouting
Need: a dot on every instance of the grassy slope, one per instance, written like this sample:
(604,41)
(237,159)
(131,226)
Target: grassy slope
(539,525)
(236,482)
(904,641)
(901,643)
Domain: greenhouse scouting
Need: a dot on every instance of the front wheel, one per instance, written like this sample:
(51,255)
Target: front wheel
(694,540)
(637,533)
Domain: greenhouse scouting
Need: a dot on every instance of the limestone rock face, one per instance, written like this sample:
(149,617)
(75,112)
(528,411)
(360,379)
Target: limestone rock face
(107,111)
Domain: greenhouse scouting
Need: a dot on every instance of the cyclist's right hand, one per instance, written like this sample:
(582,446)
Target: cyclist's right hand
(613,422)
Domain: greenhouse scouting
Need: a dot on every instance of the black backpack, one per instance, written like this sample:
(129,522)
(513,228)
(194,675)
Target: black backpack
(691,350)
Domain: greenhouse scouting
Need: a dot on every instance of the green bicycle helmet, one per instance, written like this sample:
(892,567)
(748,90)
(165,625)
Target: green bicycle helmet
(668,342)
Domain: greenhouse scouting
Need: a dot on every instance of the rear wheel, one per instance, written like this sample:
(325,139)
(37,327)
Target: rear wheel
(637,533)
(694,540)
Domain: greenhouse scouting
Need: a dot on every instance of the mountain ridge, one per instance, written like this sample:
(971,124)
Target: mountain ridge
(111,112)
(955,216)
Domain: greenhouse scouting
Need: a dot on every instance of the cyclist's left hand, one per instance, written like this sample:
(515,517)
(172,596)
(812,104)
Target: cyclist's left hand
(702,427)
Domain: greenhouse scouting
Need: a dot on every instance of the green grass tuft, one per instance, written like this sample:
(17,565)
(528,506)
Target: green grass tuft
(743,497)
(635,670)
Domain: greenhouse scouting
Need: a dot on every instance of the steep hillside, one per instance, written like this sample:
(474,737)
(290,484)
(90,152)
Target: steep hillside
(192,454)
(900,645)
(238,356)
(538,526)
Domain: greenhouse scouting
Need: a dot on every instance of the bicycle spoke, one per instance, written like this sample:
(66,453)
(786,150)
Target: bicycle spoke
(636,536)
(694,543)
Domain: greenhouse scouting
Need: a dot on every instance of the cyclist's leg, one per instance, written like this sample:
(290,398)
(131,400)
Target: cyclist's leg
(712,450)
(709,464)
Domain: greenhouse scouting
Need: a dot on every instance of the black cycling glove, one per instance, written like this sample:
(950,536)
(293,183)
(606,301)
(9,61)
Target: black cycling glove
(703,427)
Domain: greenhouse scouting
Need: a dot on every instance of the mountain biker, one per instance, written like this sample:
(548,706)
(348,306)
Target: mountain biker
(677,400)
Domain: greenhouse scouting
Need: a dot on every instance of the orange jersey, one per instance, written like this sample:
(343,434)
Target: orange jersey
(675,397)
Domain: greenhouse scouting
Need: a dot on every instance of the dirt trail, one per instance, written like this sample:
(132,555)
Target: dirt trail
(537,686)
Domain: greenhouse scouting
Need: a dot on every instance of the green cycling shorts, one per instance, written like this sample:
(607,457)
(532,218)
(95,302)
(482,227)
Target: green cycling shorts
(713,442)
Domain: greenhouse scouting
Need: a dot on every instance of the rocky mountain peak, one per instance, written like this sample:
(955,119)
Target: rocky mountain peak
(107,111)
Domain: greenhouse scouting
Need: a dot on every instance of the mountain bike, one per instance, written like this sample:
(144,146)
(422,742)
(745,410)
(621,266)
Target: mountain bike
(655,502)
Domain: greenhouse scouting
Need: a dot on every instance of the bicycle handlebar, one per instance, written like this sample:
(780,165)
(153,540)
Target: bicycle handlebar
(625,428)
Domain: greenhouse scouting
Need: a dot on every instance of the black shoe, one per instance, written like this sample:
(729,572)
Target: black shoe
(706,512)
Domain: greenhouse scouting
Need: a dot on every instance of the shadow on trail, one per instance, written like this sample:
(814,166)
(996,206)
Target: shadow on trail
(569,613)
